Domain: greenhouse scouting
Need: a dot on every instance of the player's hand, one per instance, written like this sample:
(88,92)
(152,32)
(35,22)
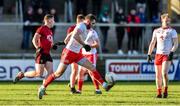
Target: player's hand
(54,47)
(170,57)
(59,43)
(87,47)
(149,58)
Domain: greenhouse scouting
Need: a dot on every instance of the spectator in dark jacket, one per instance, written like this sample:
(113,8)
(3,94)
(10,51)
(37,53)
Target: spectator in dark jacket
(119,19)
(104,18)
(133,33)
(27,29)
(53,12)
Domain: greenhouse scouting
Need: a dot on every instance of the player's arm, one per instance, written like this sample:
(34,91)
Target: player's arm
(66,40)
(77,36)
(95,44)
(36,40)
(174,48)
(175,45)
(151,47)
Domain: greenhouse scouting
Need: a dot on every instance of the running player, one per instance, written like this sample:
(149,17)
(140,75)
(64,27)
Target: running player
(74,66)
(167,43)
(71,53)
(92,40)
(43,42)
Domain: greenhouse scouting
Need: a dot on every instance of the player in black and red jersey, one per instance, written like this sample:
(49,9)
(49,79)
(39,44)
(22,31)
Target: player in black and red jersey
(43,42)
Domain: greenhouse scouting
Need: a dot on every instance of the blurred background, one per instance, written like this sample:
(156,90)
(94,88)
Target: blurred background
(119,23)
(116,27)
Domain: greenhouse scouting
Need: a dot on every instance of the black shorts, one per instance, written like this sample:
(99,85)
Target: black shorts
(43,58)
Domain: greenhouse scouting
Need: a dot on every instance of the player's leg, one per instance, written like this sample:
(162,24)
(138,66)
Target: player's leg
(93,59)
(158,69)
(74,71)
(96,84)
(49,69)
(87,64)
(81,74)
(59,72)
(165,67)
(39,69)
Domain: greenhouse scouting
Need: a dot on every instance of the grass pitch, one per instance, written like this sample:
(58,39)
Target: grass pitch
(123,93)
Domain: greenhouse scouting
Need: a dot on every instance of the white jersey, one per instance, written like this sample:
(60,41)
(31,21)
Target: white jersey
(91,37)
(164,39)
(74,45)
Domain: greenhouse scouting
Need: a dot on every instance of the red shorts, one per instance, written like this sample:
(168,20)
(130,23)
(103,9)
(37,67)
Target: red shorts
(160,58)
(69,57)
(91,57)
(43,58)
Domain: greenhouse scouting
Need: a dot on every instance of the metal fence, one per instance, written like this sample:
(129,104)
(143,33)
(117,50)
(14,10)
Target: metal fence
(12,33)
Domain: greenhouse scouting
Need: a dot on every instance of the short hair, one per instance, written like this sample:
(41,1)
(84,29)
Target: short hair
(80,16)
(48,16)
(164,14)
(91,17)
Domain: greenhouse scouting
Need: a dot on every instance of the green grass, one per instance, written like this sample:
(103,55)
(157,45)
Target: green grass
(123,93)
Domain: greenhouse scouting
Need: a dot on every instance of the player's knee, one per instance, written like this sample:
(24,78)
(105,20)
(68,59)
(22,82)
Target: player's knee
(38,74)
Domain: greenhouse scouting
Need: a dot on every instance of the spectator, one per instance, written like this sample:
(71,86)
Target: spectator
(38,17)
(104,18)
(53,12)
(96,6)
(153,7)
(27,29)
(81,7)
(119,19)
(133,32)
(140,4)
(1,8)
(143,19)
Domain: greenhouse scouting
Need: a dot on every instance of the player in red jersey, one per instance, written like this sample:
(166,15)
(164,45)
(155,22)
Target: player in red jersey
(71,53)
(167,43)
(43,42)
(74,67)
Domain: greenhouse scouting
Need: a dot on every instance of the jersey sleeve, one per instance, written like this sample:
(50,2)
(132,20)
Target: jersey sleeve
(174,33)
(95,35)
(40,30)
(79,28)
(70,29)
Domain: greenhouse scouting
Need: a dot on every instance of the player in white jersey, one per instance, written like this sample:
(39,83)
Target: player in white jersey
(72,54)
(167,43)
(92,40)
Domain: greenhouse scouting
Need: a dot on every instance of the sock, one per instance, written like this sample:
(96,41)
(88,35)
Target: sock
(49,79)
(165,89)
(80,83)
(96,84)
(159,91)
(97,76)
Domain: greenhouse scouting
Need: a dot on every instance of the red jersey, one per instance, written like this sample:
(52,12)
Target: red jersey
(70,29)
(46,38)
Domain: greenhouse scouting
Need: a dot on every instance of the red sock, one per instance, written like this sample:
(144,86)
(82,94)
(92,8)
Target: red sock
(80,83)
(49,79)
(97,76)
(96,84)
(165,89)
(159,91)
